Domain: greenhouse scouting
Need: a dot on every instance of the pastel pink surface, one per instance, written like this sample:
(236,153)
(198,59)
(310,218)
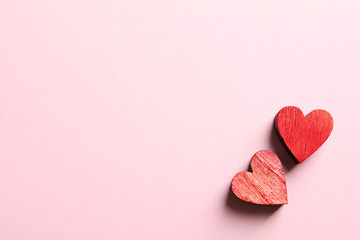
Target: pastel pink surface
(127,119)
(266,184)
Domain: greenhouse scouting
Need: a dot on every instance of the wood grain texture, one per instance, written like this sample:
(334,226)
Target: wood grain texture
(266,184)
(301,135)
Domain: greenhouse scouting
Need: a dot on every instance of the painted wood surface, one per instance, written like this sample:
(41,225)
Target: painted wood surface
(266,184)
(301,135)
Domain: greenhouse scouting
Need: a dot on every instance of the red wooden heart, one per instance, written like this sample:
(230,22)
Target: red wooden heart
(266,184)
(300,135)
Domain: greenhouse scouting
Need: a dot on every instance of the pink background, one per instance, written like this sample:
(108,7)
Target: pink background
(127,119)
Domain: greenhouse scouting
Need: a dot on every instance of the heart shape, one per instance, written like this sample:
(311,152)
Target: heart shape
(266,184)
(301,135)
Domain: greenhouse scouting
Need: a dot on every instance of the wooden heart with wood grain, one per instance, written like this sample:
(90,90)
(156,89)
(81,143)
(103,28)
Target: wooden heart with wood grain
(266,184)
(301,135)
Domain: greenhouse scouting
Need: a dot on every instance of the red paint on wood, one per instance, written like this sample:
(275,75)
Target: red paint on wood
(301,135)
(266,184)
